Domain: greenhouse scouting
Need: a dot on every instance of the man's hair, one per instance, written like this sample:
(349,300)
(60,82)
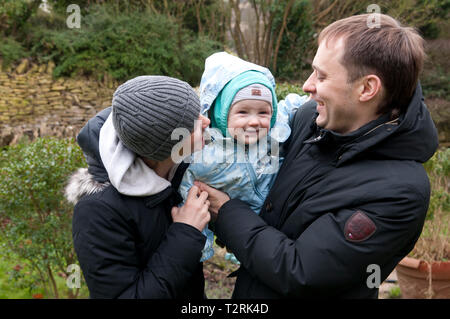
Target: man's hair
(392,52)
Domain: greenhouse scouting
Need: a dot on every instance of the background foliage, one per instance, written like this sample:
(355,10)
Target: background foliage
(128,38)
(434,242)
(35,219)
(124,46)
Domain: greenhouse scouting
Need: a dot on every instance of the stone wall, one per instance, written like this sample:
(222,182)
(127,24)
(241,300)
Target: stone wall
(32,103)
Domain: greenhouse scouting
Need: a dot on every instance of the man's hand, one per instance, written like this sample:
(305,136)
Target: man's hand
(216,198)
(194,212)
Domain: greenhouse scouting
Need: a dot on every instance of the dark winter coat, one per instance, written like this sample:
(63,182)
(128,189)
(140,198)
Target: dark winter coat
(340,203)
(128,247)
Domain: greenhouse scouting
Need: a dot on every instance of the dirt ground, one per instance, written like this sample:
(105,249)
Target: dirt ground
(216,270)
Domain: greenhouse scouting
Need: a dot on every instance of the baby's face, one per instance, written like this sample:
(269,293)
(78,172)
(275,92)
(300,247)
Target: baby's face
(249,120)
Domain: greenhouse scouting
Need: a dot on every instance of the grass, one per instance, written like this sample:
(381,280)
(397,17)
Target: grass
(8,289)
(16,280)
(11,269)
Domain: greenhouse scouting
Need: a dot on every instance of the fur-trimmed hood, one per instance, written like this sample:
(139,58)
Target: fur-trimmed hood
(82,183)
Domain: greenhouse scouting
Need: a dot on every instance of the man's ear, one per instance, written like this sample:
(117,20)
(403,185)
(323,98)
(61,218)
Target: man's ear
(370,88)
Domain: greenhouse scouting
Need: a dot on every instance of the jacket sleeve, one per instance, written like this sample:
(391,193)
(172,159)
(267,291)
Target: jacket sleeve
(321,259)
(107,254)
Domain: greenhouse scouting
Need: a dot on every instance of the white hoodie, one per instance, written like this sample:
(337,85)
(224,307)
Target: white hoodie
(127,172)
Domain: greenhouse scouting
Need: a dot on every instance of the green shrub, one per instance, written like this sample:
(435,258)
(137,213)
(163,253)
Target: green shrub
(124,46)
(11,51)
(283,89)
(14,15)
(438,169)
(434,242)
(433,84)
(35,219)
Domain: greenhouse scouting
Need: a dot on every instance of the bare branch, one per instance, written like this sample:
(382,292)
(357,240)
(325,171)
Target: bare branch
(280,34)
(257,46)
(325,12)
(239,37)
(233,31)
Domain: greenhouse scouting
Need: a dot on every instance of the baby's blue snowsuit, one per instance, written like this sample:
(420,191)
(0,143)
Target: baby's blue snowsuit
(244,172)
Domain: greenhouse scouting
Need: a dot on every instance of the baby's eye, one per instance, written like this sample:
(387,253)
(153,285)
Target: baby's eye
(242,112)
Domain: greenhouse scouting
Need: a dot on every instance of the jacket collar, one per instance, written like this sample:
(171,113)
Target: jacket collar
(327,136)
(349,145)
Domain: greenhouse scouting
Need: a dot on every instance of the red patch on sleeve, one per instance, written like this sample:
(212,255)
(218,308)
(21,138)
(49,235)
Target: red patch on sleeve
(359,227)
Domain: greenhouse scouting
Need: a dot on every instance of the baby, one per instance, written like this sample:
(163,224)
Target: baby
(247,126)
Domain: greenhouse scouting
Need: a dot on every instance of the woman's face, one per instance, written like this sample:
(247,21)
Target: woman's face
(197,139)
(193,142)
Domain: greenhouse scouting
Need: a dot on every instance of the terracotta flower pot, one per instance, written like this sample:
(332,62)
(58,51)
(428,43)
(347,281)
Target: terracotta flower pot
(414,281)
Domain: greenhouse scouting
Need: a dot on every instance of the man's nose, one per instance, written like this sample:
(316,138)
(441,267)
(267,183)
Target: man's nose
(309,86)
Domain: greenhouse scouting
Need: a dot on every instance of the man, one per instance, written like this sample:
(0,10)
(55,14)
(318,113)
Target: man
(352,195)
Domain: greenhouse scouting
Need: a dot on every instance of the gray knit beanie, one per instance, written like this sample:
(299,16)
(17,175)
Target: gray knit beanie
(146,109)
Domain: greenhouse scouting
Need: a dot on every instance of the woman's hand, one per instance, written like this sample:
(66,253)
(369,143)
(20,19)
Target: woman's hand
(216,198)
(194,212)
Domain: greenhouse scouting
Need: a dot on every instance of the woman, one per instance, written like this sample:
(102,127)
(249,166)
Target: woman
(130,239)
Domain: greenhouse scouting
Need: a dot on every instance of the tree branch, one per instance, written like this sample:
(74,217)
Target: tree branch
(256,46)
(240,35)
(233,31)
(280,34)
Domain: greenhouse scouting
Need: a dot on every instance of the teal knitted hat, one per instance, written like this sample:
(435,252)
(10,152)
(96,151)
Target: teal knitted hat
(222,104)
